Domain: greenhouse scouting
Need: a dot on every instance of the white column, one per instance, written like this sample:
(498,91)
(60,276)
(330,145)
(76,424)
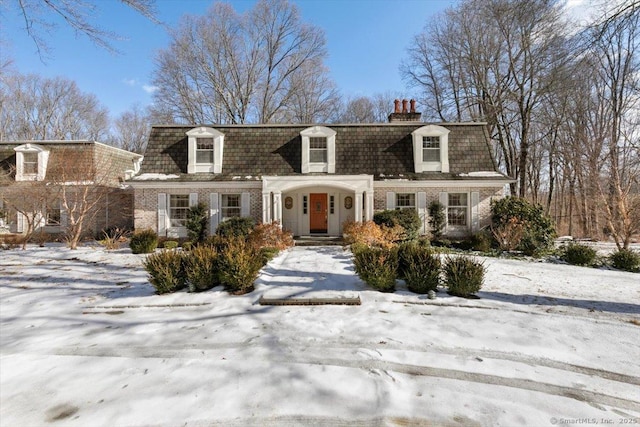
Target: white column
(357,207)
(369,212)
(277,207)
(266,208)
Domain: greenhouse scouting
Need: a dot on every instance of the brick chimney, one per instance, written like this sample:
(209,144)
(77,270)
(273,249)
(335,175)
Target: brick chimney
(405,114)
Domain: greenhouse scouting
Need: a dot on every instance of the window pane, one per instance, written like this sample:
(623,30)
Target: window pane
(178,209)
(318,150)
(457,210)
(30,163)
(458,199)
(405,200)
(231,205)
(204,150)
(53,216)
(430,148)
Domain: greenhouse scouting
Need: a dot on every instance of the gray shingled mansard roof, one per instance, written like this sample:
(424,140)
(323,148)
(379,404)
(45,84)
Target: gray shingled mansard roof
(82,153)
(383,150)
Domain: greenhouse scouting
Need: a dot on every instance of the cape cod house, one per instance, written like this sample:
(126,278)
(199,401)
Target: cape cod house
(313,178)
(33,175)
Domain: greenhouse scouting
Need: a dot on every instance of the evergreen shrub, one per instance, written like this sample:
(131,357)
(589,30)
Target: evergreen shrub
(437,218)
(201,268)
(144,242)
(538,231)
(408,219)
(377,267)
(576,254)
(420,268)
(235,227)
(625,259)
(196,224)
(463,275)
(239,264)
(165,271)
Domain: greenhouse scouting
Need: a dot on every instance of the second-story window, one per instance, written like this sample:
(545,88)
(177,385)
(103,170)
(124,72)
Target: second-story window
(430,148)
(204,150)
(30,163)
(318,150)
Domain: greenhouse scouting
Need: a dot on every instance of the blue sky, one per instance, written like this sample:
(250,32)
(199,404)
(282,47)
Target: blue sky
(366,41)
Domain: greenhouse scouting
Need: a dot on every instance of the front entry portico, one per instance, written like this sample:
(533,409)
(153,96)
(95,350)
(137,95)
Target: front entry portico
(317,204)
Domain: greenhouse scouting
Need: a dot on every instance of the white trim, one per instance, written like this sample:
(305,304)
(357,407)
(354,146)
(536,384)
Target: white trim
(218,147)
(351,183)
(197,184)
(431,130)
(318,131)
(214,212)
(163,214)
(441,183)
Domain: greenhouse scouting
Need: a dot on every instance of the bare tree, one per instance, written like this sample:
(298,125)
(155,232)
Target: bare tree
(616,49)
(226,67)
(494,61)
(37,108)
(28,200)
(130,130)
(42,17)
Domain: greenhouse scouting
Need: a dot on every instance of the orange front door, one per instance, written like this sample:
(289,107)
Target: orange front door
(318,209)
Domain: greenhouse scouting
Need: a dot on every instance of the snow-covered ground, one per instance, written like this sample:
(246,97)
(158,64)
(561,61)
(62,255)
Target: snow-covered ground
(85,342)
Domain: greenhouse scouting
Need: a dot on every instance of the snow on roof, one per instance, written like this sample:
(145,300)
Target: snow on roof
(155,176)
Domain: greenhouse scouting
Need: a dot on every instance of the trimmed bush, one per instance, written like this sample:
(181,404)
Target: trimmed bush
(144,242)
(419,267)
(537,227)
(170,244)
(463,276)
(201,268)
(196,224)
(481,241)
(408,219)
(235,227)
(165,271)
(377,267)
(626,260)
(268,253)
(576,254)
(371,234)
(271,235)
(239,265)
(437,218)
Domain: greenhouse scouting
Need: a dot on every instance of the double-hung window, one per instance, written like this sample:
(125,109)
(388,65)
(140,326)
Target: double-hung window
(53,215)
(178,209)
(457,209)
(204,151)
(430,148)
(405,201)
(30,163)
(318,149)
(231,206)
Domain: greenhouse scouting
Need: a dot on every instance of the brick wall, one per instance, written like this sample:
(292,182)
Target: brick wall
(146,203)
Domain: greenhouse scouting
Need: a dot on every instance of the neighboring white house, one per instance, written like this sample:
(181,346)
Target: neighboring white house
(312,178)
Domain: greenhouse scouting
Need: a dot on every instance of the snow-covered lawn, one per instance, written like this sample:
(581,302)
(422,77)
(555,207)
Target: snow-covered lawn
(85,342)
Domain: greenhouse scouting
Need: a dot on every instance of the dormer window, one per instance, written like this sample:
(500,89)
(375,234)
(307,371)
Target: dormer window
(31,162)
(431,149)
(205,146)
(318,150)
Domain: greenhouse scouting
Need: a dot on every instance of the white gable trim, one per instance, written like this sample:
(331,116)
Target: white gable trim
(218,149)
(319,131)
(423,166)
